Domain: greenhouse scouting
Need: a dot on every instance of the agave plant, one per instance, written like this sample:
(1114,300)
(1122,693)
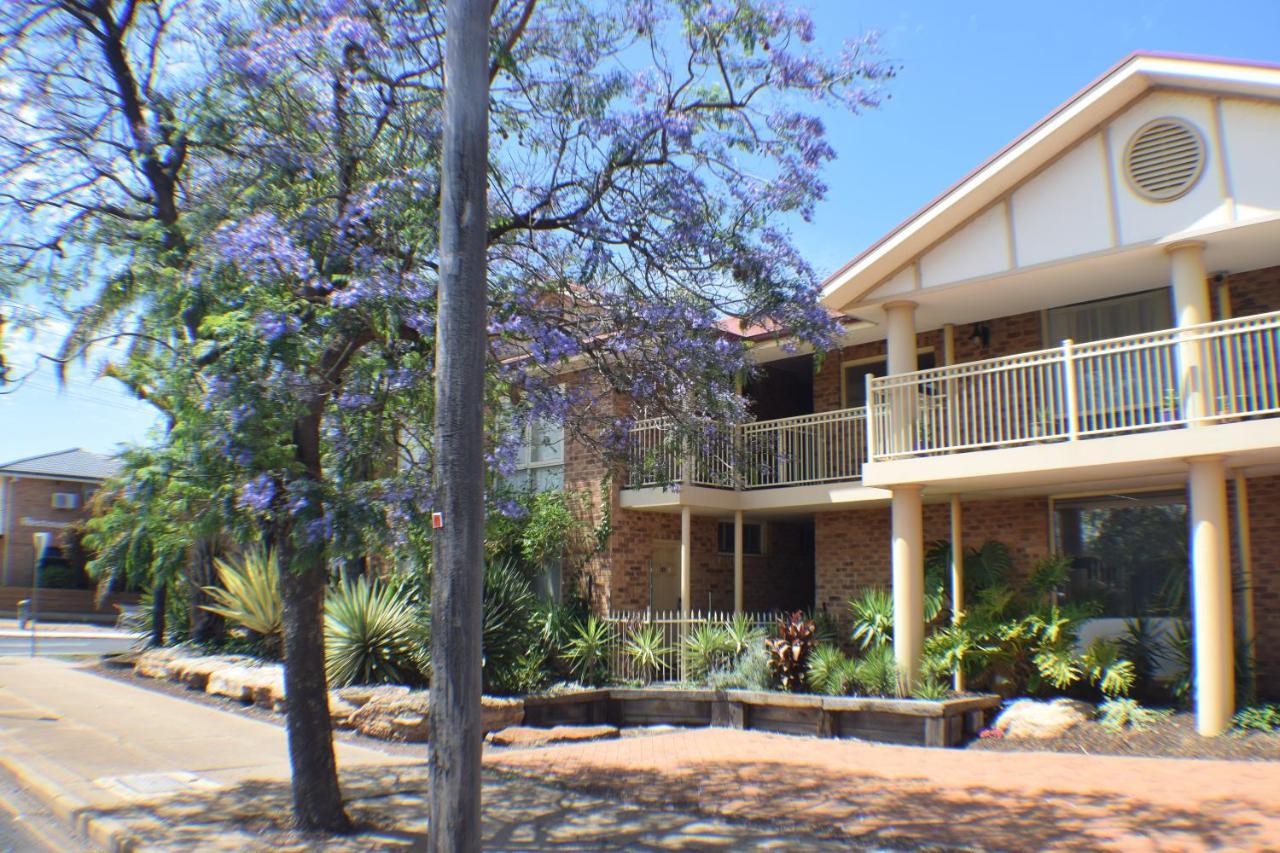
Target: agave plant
(587,652)
(872,614)
(510,626)
(647,648)
(707,647)
(789,650)
(249,596)
(742,634)
(372,636)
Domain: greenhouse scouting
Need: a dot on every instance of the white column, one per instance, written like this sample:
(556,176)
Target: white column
(908,584)
(900,350)
(737,561)
(686,559)
(957,574)
(1191,307)
(1211,597)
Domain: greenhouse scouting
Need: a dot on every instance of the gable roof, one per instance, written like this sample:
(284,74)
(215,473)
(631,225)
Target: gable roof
(1133,77)
(73,464)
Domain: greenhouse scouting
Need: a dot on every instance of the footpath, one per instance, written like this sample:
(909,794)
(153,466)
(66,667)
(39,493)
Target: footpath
(135,769)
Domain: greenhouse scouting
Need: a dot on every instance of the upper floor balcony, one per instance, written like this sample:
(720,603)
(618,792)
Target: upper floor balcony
(931,425)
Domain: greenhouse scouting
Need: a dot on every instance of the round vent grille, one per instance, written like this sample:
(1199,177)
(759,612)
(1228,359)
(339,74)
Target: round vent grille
(1164,159)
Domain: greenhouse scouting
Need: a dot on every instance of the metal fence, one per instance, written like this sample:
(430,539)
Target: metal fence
(674,628)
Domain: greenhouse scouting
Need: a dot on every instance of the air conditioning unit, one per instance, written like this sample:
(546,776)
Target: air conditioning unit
(65,500)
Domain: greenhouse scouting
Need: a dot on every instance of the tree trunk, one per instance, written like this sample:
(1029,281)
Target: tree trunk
(458,576)
(206,627)
(159,603)
(354,568)
(317,799)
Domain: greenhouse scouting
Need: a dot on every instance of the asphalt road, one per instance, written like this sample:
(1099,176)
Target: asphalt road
(65,645)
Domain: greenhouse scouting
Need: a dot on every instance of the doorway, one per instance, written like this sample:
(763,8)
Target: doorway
(664,575)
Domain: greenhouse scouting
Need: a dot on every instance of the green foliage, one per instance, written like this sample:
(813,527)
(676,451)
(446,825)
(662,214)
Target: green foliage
(875,673)
(1261,718)
(829,671)
(549,529)
(1120,715)
(587,652)
(1049,575)
(1182,656)
(708,647)
(373,635)
(789,650)
(510,629)
(248,596)
(647,648)
(749,672)
(742,634)
(872,615)
(59,574)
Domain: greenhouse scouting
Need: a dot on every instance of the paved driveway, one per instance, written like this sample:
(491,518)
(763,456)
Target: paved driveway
(908,796)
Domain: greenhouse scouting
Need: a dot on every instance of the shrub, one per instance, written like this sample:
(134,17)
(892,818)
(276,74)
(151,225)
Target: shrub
(829,671)
(789,650)
(1262,718)
(587,652)
(742,634)
(1119,715)
(372,636)
(707,647)
(249,597)
(749,672)
(647,648)
(876,672)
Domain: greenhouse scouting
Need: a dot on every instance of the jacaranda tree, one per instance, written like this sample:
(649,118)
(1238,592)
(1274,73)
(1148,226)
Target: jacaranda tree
(263,218)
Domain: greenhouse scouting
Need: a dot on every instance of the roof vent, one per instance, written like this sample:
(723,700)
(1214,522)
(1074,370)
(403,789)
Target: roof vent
(1164,159)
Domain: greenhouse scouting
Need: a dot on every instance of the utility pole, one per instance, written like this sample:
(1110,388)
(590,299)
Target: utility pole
(457,584)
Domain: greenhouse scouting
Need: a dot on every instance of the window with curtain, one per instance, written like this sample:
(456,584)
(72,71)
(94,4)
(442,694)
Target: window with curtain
(855,376)
(1117,317)
(540,465)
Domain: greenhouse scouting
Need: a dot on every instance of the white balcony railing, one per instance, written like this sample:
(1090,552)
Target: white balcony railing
(819,448)
(1210,373)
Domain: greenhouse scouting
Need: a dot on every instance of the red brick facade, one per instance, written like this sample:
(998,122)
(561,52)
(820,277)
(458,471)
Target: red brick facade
(28,509)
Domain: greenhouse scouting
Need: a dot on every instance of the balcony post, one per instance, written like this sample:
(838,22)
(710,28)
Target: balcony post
(737,561)
(871,418)
(1071,388)
(686,560)
(957,575)
(1191,308)
(908,584)
(1211,597)
(900,350)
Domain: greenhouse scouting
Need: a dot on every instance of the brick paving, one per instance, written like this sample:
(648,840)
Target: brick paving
(906,796)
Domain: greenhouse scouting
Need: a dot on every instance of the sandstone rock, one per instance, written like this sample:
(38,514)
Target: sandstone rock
(1028,718)
(234,682)
(360,695)
(196,671)
(341,710)
(405,718)
(527,736)
(155,663)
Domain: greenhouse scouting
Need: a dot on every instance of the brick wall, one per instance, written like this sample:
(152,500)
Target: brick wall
(853,546)
(1264,528)
(1254,292)
(31,498)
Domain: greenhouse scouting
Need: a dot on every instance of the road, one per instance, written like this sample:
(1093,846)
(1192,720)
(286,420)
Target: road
(26,826)
(55,645)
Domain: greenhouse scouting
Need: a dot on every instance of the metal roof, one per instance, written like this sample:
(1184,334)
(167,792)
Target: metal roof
(73,464)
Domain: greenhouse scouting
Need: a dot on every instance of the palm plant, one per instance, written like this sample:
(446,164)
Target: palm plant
(829,671)
(876,672)
(706,648)
(373,636)
(587,652)
(248,595)
(872,614)
(742,633)
(647,649)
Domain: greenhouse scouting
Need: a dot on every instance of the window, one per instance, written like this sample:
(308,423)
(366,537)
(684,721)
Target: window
(65,500)
(1129,552)
(540,465)
(855,376)
(1117,317)
(752,538)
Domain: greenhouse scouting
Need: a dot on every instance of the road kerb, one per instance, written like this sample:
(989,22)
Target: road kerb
(106,833)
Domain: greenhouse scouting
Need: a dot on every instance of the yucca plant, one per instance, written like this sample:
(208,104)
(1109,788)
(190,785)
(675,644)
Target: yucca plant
(587,652)
(509,624)
(372,636)
(647,648)
(875,673)
(789,650)
(706,648)
(742,634)
(872,615)
(249,596)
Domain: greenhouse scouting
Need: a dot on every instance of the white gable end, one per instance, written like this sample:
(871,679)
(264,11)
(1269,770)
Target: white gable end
(1251,131)
(1066,209)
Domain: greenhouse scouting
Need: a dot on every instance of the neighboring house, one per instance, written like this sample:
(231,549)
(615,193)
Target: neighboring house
(44,494)
(1075,349)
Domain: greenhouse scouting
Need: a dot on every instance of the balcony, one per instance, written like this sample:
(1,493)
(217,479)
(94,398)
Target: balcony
(826,447)
(1209,374)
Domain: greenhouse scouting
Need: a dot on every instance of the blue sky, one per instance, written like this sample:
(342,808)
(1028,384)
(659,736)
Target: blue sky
(975,75)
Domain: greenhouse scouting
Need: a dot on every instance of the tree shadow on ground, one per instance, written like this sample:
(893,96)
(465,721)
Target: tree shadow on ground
(881,811)
(389,807)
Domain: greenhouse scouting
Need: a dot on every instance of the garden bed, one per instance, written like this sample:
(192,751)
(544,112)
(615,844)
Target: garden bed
(1172,737)
(947,722)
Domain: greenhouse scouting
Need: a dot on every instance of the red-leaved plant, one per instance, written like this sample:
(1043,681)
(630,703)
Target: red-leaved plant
(789,650)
